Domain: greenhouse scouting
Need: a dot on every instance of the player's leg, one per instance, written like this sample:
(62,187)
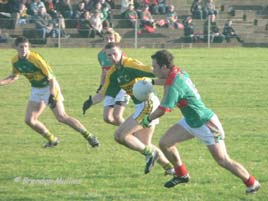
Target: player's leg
(212,134)
(108,115)
(124,135)
(145,136)
(118,113)
(174,135)
(33,111)
(108,110)
(121,100)
(219,153)
(63,117)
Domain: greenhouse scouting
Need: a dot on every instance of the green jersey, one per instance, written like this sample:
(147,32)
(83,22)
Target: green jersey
(181,92)
(104,61)
(34,68)
(125,76)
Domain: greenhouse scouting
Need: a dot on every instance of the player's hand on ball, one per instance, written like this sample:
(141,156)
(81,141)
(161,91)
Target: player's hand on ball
(87,104)
(52,101)
(145,122)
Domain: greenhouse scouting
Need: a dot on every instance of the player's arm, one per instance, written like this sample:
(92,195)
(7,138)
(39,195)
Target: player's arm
(9,80)
(103,75)
(52,97)
(158,81)
(166,105)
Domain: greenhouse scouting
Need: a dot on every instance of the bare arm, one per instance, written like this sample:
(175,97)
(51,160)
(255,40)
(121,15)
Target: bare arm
(159,81)
(97,98)
(9,80)
(52,85)
(156,114)
(103,74)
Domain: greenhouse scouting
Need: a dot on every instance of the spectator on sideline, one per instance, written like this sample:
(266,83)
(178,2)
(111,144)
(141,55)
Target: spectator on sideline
(160,8)
(44,23)
(215,34)
(210,8)
(147,18)
(132,15)
(124,5)
(172,19)
(189,35)
(229,32)
(197,9)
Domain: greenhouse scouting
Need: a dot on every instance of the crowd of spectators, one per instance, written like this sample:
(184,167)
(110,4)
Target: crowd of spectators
(90,17)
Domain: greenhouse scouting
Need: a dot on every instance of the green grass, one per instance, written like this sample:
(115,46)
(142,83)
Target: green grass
(233,82)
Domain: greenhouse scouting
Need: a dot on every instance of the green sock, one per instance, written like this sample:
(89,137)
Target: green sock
(49,136)
(168,166)
(86,134)
(148,150)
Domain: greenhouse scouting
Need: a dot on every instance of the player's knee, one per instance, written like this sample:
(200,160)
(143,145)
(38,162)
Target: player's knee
(223,161)
(29,121)
(62,118)
(118,120)
(163,144)
(108,120)
(118,138)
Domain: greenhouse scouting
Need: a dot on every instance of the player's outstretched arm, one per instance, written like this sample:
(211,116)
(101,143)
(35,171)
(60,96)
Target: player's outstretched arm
(9,80)
(92,100)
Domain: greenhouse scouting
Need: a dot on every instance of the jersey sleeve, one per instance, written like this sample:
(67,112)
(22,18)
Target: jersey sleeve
(14,69)
(40,63)
(110,86)
(170,99)
(139,68)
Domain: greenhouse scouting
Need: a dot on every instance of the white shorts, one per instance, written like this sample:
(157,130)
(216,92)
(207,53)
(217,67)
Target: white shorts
(42,94)
(120,97)
(146,108)
(209,133)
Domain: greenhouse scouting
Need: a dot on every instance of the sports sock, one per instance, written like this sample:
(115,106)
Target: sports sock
(168,166)
(86,134)
(147,150)
(49,136)
(181,170)
(250,181)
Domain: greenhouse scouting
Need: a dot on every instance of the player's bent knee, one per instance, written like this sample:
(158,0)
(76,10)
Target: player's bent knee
(108,119)
(29,121)
(62,118)
(163,145)
(118,138)
(223,162)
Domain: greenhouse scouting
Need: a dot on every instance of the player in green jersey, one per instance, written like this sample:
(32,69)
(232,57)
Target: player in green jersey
(198,121)
(124,73)
(114,107)
(45,91)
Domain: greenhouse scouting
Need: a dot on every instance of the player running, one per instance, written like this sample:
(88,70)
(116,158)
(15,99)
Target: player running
(45,91)
(125,72)
(114,107)
(198,121)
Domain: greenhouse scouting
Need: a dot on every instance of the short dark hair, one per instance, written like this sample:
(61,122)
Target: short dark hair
(21,39)
(163,57)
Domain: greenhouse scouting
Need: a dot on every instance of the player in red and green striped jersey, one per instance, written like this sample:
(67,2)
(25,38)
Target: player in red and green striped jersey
(199,121)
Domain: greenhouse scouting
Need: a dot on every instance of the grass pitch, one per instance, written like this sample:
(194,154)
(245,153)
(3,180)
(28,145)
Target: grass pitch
(233,82)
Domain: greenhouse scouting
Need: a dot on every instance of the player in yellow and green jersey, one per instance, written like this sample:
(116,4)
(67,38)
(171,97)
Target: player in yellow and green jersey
(124,73)
(45,91)
(114,107)
(199,121)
